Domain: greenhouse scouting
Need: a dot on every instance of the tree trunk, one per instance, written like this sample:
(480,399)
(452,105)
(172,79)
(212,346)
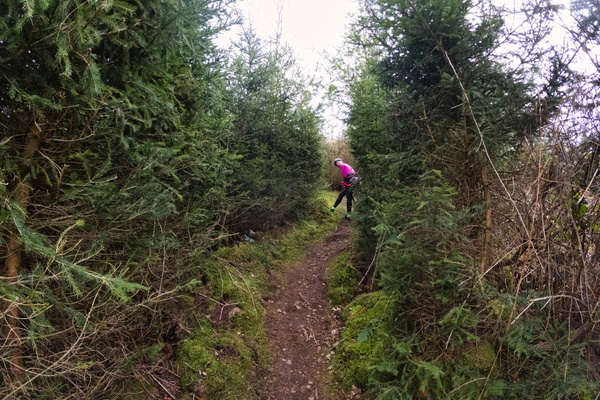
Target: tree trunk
(12,340)
(12,264)
(487,229)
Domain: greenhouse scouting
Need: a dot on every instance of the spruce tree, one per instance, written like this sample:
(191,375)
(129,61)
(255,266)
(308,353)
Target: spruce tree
(112,134)
(445,113)
(275,133)
(465,171)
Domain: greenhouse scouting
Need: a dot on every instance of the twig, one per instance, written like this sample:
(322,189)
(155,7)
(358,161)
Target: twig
(548,298)
(303,298)
(162,386)
(466,383)
(305,334)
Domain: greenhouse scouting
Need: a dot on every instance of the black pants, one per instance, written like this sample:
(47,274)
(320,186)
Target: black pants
(348,193)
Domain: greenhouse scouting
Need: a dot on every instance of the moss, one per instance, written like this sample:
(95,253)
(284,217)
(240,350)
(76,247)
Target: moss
(243,253)
(363,339)
(366,307)
(231,374)
(221,362)
(250,321)
(234,282)
(342,280)
(195,354)
(295,240)
(479,356)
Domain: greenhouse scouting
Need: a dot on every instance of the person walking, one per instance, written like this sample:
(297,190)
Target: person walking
(347,174)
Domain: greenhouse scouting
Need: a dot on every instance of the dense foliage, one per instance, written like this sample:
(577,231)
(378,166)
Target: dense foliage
(479,227)
(120,154)
(275,133)
(133,152)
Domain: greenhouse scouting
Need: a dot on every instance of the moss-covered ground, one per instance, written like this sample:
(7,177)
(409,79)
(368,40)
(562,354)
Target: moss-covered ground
(224,354)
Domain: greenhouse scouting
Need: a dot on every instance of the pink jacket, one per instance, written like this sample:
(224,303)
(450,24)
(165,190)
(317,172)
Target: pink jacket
(346,170)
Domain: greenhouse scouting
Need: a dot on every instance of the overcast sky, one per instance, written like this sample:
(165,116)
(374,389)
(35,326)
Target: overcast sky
(309,26)
(314,26)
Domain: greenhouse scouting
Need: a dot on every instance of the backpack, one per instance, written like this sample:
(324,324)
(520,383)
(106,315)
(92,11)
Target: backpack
(350,180)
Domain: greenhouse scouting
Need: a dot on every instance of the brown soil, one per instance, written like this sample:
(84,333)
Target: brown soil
(302,327)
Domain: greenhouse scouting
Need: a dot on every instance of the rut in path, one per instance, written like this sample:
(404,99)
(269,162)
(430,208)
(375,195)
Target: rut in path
(301,326)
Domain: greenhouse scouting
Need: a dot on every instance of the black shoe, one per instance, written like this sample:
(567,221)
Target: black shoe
(347,217)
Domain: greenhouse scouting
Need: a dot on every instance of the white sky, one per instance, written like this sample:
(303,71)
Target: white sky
(309,26)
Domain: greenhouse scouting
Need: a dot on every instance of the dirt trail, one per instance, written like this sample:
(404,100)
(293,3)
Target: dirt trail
(301,325)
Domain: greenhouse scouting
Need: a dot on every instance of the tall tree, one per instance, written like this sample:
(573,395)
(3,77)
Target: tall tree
(275,132)
(447,121)
(446,95)
(112,131)
(446,134)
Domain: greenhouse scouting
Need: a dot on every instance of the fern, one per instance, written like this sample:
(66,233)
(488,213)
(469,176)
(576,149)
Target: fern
(498,387)
(366,334)
(393,393)
(521,336)
(430,376)
(456,325)
(403,349)
(385,367)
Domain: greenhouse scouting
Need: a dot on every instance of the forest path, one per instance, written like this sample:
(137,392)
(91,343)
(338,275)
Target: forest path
(301,325)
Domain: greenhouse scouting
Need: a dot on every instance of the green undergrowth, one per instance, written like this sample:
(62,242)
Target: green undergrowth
(225,351)
(378,355)
(342,279)
(363,339)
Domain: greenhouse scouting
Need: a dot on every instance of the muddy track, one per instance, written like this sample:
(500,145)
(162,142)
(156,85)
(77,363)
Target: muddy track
(302,327)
